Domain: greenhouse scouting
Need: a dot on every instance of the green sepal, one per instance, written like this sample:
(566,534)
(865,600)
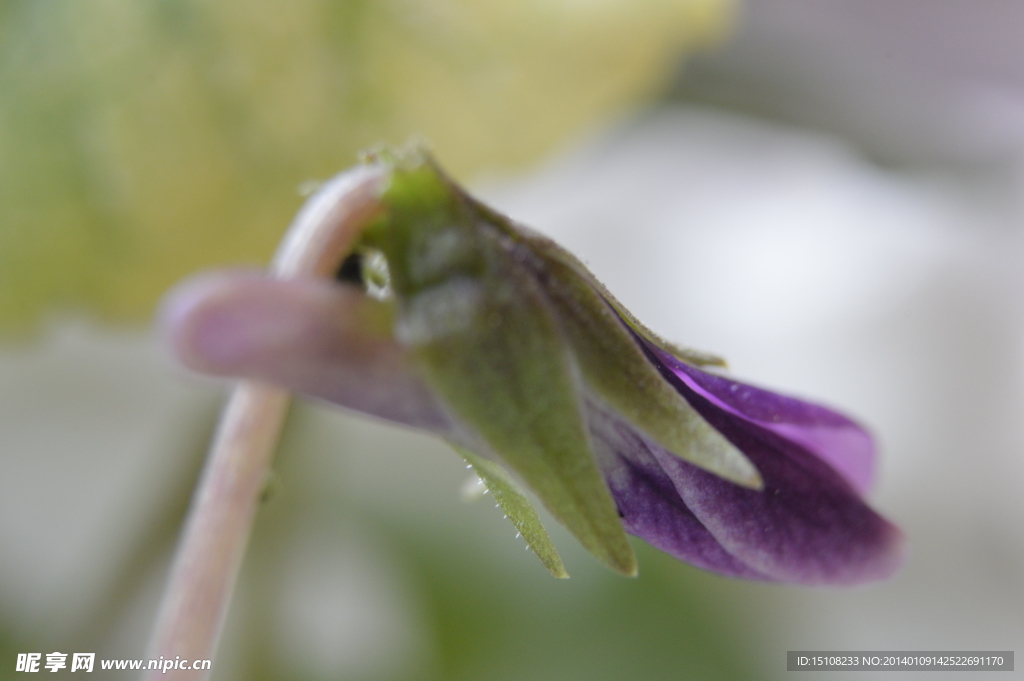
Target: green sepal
(483,334)
(518,509)
(615,368)
(549,250)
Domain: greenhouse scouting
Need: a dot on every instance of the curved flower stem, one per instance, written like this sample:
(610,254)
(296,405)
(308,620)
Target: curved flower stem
(217,530)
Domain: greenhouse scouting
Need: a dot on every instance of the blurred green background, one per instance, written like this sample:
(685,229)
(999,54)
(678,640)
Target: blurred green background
(828,195)
(140,141)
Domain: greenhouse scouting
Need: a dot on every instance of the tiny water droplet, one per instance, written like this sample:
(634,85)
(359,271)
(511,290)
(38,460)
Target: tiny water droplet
(472,489)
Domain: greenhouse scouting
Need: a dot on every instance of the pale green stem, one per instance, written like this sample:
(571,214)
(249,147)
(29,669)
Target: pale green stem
(217,530)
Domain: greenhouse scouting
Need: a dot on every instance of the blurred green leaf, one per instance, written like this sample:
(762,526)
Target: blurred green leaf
(143,139)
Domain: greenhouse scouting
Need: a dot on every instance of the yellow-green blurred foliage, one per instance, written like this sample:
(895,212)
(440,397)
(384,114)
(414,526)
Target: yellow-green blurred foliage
(143,139)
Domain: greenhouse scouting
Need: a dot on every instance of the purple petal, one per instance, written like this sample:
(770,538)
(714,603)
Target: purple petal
(832,437)
(808,524)
(648,502)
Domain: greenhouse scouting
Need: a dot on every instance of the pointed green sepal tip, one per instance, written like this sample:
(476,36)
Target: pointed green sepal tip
(606,343)
(517,507)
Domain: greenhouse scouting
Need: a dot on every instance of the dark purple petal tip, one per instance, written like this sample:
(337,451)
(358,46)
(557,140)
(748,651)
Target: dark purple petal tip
(808,525)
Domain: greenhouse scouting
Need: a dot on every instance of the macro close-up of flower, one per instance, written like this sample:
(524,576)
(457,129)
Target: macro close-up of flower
(505,345)
(479,340)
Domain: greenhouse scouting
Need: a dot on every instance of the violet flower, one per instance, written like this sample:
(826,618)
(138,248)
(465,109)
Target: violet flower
(808,524)
(452,319)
